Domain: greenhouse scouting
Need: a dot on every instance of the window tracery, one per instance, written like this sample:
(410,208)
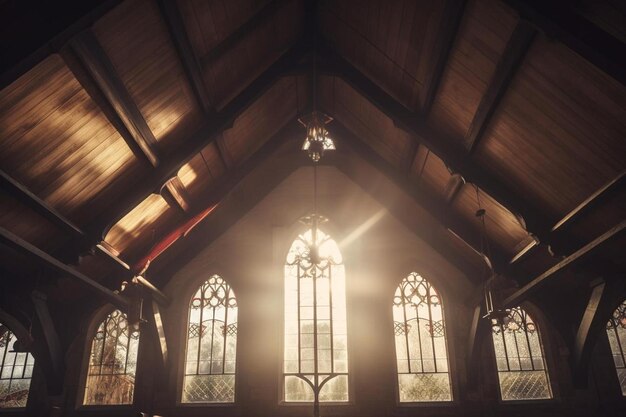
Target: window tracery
(16,370)
(112,362)
(211,344)
(420,340)
(616,332)
(519,356)
(316,354)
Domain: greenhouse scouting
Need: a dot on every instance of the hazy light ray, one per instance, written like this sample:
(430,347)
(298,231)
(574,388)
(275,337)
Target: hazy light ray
(363,228)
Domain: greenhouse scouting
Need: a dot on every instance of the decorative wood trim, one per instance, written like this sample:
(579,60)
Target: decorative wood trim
(517,46)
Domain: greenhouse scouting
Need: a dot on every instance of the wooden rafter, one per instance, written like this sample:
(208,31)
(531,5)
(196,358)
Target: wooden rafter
(559,21)
(34,253)
(178,33)
(102,74)
(453,155)
(440,212)
(513,55)
(444,40)
(175,194)
(23,194)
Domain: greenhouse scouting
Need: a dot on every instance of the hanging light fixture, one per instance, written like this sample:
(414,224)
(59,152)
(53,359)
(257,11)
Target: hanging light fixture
(495,311)
(317,138)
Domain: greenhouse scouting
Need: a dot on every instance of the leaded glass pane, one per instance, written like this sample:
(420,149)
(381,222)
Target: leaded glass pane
(616,332)
(211,354)
(112,363)
(16,370)
(420,338)
(519,358)
(315,347)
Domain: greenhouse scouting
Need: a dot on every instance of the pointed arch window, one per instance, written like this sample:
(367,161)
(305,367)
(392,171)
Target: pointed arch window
(519,356)
(112,362)
(420,339)
(616,332)
(16,371)
(211,355)
(316,354)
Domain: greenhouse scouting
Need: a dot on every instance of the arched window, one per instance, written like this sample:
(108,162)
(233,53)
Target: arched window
(211,344)
(616,331)
(519,357)
(112,362)
(420,336)
(316,354)
(16,370)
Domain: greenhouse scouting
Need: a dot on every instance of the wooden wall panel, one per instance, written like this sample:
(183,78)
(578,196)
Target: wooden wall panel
(558,134)
(137,42)
(236,68)
(482,36)
(262,120)
(365,120)
(56,141)
(390,41)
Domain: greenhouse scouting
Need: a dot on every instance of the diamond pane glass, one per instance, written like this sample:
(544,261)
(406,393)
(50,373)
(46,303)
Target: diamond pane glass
(616,332)
(520,361)
(15,372)
(211,355)
(420,339)
(112,362)
(315,347)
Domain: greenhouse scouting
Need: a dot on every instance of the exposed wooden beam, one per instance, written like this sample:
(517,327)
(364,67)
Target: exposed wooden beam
(51,342)
(34,253)
(444,40)
(204,136)
(241,33)
(175,194)
(527,290)
(439,212)
(558,20)
(453,155)
(160,332)
(522,253)
(615,185)
(227,160)
(156,294)
(477,330)
(513,55)
(101,70)
(22,193)
(171,14)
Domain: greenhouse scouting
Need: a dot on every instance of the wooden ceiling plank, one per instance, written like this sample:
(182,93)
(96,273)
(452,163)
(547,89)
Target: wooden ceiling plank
(454,156)
(33,252)
(172,16)
(587,250)
(559,21)
(514,53)
(448,28)
(455,183)
(101,70)
(23,194)
(241,33)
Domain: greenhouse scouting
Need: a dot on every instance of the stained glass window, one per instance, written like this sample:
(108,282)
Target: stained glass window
(616,332)
(420,336)
(211,344)
(519,358)
(316,354)
(16,370)
(112,363)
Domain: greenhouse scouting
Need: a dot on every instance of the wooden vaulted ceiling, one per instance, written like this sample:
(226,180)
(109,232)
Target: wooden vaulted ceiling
(135,121)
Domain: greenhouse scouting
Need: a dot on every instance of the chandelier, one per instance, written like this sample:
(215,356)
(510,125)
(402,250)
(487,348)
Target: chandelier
(495,311)
(317,138)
